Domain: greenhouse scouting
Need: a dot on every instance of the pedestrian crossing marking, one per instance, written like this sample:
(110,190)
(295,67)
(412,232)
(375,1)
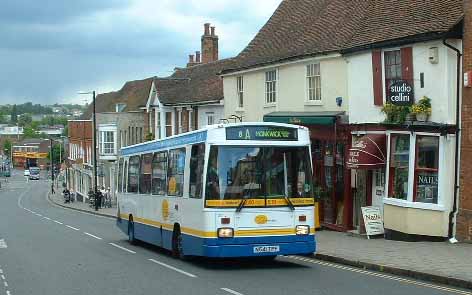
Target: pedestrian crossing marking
(3,244)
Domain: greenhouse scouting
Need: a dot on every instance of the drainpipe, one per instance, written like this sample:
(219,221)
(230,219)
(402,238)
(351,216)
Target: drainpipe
(458,130)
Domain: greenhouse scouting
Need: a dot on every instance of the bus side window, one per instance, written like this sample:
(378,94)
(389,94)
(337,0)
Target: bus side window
(197,161)
(159,174)
(145,174)
(133,174)
(175,172)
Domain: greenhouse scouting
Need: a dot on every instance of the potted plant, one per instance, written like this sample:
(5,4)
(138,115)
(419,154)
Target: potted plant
(395,114)
(422,109)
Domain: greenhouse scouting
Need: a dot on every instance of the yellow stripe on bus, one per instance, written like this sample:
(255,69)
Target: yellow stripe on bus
(259,202)
(212,234)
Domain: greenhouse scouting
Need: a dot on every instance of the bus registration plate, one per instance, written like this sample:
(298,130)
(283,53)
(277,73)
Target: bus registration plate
(266,249)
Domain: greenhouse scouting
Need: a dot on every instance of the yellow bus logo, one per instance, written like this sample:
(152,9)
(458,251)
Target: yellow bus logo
(261,219)
(165,209)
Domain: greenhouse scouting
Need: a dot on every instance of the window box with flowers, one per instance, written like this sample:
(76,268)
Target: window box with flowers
(422,109)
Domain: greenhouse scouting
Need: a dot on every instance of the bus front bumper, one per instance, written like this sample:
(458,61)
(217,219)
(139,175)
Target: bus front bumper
(255,250)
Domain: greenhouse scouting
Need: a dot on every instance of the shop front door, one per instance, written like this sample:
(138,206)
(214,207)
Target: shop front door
(360,196)
(378,187)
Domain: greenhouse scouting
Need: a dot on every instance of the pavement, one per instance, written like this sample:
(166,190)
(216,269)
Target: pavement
(440,262)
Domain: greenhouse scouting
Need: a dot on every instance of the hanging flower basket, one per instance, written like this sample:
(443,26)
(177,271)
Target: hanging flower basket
(422,117)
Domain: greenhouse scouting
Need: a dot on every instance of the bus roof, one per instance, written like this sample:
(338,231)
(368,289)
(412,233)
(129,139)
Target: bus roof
(196,136)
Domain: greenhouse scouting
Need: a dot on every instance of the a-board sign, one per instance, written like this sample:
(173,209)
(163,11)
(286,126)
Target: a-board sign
(373,221)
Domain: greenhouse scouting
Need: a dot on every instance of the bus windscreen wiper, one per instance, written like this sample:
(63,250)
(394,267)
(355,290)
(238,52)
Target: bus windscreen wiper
(241,205)
(290,204)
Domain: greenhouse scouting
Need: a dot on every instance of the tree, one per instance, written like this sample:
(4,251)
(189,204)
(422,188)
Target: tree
(25,120)
(58,153)
(29,132)
(7,147)
(14,114)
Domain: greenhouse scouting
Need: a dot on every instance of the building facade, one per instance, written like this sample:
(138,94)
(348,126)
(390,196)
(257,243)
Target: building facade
(79,172)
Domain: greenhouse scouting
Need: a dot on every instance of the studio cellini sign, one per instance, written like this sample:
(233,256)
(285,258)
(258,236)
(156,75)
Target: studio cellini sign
(400,93)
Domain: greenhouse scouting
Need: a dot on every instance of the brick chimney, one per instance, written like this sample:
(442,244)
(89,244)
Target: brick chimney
(191,60)
(197,57)
(209,44)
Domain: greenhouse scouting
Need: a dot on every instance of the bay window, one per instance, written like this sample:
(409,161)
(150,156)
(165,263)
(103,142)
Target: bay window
(399,166)
(414,168)
(426,169)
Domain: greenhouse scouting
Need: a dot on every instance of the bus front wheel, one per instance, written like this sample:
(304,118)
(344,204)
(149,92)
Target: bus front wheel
(131,237)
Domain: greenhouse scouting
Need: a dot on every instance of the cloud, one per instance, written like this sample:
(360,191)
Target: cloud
(50,49)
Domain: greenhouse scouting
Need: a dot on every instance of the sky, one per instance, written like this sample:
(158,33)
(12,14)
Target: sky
(52,49)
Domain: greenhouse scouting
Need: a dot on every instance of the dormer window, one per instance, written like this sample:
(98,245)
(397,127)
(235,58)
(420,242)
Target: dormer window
(119,107)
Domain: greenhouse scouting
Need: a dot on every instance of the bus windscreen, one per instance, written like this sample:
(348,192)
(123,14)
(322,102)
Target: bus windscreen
(236,173)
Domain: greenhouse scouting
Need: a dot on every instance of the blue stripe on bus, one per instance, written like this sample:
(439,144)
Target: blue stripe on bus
(192,138)
(216,247)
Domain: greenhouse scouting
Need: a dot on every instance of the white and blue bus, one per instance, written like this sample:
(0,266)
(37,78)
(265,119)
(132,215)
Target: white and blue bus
(233,190)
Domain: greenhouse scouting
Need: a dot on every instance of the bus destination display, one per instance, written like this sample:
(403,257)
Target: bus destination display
(262,133)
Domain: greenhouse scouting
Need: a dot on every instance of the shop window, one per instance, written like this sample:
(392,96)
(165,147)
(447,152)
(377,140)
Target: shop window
(133,174)
(426,170)
(197,162)
(399,166)
(159,174)
(175,172)
(145,175)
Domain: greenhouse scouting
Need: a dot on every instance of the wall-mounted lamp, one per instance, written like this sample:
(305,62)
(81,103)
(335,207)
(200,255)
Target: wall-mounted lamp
(339,101)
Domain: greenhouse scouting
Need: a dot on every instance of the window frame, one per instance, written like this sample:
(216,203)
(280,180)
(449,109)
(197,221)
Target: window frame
(310,74)
(384,71)
(240,91)
(141,174)
(128,174)
(268,99)
(105,140)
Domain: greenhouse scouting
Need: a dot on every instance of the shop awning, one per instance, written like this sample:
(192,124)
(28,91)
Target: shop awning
(368,151)
(304,118)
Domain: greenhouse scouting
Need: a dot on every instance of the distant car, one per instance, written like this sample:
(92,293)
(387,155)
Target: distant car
(26,173)
(34,173)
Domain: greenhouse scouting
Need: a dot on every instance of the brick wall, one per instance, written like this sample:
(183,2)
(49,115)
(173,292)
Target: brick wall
(464,219)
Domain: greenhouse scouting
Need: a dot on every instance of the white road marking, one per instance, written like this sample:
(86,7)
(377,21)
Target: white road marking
(47,218)
(98,238)
(380,275)
(3,244)
(231,291)
(5,283)
(8,292)
(1,270)
(173,268)
(122,248)
(58,222)
(3,277)
(74,228)
(37,214)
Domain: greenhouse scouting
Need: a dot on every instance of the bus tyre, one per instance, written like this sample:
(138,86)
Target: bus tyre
(177,249)
(131,237)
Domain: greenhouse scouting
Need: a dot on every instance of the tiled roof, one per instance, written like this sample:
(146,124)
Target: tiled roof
(134,94)
(195,84)
(300,28)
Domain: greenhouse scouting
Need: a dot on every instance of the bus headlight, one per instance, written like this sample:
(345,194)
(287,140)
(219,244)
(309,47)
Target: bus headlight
(225,232)
(302,229)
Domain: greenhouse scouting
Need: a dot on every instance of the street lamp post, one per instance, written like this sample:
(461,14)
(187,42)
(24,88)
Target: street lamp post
(94,143)
(51,148)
